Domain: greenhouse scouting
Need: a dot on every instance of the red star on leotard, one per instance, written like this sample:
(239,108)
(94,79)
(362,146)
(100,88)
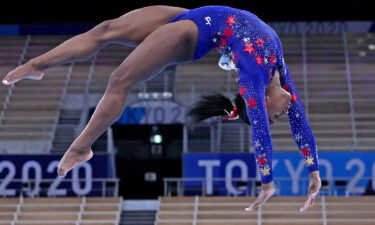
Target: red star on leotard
(242,91)
(223,41)
(228,32)
(230,20)
(259,60)
(305,151)
(294,97)
(249,48)
(235,58)
(262,160)
(259,42)
(273,59)
(286,87)
(251,102)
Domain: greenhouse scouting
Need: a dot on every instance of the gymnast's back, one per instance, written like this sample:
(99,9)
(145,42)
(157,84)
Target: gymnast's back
(216,22)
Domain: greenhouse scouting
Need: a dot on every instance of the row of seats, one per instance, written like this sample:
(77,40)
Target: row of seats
(72,211)
(277,211)
(31,111)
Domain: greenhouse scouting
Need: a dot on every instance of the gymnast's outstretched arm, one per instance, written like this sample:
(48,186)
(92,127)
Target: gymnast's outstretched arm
(303,137)
(170,44)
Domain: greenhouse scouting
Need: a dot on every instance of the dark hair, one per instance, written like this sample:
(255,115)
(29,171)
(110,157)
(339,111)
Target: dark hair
(216,104)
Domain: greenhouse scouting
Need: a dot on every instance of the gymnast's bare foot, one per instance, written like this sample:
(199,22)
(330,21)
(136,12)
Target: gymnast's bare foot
(314,187)
(72,157)
(28,70)
(267,191)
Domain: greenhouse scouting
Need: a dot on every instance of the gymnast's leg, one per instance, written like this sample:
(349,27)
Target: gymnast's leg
(170,44)
(129,29)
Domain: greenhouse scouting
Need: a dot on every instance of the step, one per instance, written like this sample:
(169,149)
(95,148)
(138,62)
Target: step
(55,82)
(58,141)
(65,130)
(30,114)
(62,143)
(21,128)
(66,146)
(35,96)
(29,120)
(33,90)
(138,217)
(30,105)
(69,120)
(25,136)
(63,139)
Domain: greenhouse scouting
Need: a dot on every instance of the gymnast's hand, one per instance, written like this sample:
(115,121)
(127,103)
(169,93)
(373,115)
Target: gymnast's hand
(27,70)
(314,187)
(267,191)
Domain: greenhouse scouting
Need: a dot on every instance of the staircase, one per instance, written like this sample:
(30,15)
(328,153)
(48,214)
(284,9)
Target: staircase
(65,132)
(137,217)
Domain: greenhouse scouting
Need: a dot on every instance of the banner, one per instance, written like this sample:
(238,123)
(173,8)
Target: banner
(320,27)
(35,175)
(152,112)
(348,172)
(342,172)
(153,115)
(218,171)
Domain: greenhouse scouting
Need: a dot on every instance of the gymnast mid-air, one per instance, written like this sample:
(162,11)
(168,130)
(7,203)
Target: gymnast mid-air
(165,35)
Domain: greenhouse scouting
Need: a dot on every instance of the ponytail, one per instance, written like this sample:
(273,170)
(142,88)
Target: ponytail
(216,104)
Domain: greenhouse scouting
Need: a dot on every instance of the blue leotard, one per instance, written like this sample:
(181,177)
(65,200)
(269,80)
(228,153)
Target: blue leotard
(256,51)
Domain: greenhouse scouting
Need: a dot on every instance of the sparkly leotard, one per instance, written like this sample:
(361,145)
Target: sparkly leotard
(255,51)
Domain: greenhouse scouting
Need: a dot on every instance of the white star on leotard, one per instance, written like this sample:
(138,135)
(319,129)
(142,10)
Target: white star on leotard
(297,115)
(266,53)
(298,137)
(257,144)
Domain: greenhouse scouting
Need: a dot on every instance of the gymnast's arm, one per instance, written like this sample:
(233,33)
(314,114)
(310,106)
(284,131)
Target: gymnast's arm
(253,92)
(304,138)
(300,127)
(254,97)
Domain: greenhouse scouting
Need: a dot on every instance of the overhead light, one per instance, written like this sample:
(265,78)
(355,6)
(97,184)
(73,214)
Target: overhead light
(155,95)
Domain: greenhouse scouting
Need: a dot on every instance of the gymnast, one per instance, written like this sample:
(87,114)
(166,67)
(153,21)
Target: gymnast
(165,35)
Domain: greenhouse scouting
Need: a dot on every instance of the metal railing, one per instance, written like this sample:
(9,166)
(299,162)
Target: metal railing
(230,207)
(86,98)
(24,146)
(10,89)
(350,89)
(79,214)
(195,214)
(338,186)
(304,71)
(259,215)
(103,187)
(216,136)
(62,99)
(324,211)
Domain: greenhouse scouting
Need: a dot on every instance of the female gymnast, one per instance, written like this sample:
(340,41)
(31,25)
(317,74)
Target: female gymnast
(165,35)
